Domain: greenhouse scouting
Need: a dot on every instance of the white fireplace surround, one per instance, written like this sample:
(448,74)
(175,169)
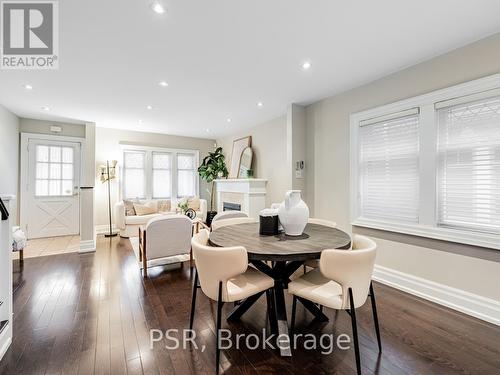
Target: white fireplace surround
(250,193)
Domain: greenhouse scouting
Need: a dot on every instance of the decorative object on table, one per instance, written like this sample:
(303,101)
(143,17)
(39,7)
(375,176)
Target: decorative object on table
(246,163)
(293,213)
(269,222)
(190,213)
(239,145)
(213,167)
(108,173)
(183,206)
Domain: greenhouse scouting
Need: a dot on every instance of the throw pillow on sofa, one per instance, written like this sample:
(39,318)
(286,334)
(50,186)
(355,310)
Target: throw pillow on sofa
(129,208)
(147,208)
(194,203)
(164,205)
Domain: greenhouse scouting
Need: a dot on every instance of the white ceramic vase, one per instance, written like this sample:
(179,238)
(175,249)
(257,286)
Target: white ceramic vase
(293,213)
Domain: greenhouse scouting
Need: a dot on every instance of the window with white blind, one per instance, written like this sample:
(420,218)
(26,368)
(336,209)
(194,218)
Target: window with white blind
(389,171)
(134,174)
(469,165)
(153,173)
(430,165)
(162,174)
(186,175)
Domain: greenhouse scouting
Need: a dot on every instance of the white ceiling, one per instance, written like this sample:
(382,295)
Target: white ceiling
(221,57)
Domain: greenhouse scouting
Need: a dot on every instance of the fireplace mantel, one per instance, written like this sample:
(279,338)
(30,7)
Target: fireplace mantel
(250,193)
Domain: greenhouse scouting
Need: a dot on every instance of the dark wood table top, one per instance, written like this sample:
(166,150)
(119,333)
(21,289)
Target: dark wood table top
(316,238)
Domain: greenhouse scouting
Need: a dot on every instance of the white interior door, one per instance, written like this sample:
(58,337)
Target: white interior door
(53,207)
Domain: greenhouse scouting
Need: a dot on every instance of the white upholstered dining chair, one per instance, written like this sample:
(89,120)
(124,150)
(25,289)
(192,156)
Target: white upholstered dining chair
(314,263)
(163,239)
(342,282)
(224,276)
(233,221)
(228,215)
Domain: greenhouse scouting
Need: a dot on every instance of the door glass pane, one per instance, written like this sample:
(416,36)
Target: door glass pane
(67,171)
(55,171)
(42,153)
(55,187)
(67,155)
(55,154)
(67,187)
(42,170)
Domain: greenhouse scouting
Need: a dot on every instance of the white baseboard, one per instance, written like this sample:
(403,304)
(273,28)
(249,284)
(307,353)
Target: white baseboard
(468,303)
(103,229)
(87,246)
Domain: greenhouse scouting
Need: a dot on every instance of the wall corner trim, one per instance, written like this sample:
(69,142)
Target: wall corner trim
(87,246)
(468,303)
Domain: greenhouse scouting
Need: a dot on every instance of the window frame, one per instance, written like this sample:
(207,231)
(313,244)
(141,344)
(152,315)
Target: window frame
(148,176)
(428,166)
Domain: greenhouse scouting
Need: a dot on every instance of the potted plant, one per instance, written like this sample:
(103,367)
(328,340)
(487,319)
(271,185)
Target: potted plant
(213,167)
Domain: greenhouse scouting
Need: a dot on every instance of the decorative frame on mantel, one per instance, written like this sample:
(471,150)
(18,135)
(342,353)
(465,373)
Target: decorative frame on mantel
(239,145)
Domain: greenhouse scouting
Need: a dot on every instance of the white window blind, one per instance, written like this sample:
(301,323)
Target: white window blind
(162,175)
(389,168)
(186,175)
(134,177)
(469,165)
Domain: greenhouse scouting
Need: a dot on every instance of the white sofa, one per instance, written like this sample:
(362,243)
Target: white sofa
(129,225)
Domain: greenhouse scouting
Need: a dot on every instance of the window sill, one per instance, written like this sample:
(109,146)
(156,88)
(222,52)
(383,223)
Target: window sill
(445,234)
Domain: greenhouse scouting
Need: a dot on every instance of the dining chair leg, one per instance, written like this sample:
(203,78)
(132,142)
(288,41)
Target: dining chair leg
(292,320)
(193,299)
(375,317)
(354,331)
(219,316)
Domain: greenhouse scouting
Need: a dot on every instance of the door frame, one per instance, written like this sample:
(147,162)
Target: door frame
(24,171)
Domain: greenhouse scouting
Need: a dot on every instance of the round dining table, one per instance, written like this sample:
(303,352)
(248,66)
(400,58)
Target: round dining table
(285,254)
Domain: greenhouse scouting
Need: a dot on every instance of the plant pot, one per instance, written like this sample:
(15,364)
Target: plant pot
(210,217)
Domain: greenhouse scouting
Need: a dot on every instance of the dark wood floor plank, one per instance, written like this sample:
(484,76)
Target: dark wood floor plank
(92,314)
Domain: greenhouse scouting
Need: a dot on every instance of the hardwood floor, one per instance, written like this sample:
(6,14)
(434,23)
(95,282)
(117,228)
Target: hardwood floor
(86,314)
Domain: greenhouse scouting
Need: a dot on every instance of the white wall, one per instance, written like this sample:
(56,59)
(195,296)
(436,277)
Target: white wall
(269,144)
(469,268)
(9,156)
(108,148)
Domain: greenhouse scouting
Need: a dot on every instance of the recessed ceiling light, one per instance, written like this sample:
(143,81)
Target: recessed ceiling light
(208,130)
(306,65)
(260,104)
(228,119)
(149,107)
(45,108)
(28,87)
(158,7)
(163,84)
(140,121)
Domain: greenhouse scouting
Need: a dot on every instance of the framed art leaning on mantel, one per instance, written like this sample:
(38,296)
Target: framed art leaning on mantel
(239,145)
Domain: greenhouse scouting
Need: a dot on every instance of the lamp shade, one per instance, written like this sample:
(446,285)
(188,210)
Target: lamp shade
(108,171)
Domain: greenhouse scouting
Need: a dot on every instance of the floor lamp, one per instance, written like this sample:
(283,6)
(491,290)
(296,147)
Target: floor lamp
(108,173)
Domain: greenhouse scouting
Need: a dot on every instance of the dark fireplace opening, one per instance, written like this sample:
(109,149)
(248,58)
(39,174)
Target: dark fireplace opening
(226,206)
